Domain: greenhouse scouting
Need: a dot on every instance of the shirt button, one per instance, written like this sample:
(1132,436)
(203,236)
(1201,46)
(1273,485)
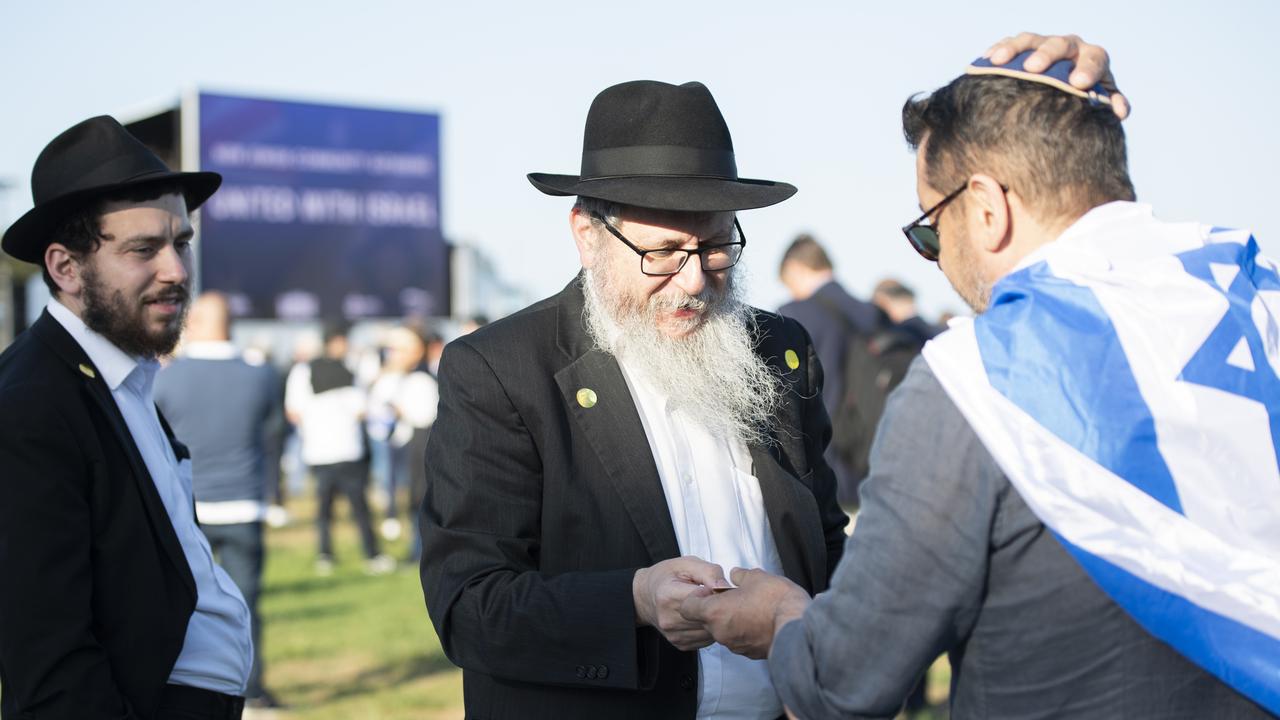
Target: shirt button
(688,479)
(604,672)
(686,682)
(582,672)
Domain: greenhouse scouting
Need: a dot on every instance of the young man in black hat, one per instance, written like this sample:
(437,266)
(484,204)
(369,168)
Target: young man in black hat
(110,603)
(605,453)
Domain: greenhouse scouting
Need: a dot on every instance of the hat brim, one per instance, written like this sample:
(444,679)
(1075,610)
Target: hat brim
(666,192)
(27,238)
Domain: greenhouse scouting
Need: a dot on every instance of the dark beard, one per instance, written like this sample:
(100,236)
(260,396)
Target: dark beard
(112,317)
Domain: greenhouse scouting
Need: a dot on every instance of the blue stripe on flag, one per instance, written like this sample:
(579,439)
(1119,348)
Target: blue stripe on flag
(1240,656)
(1049,347)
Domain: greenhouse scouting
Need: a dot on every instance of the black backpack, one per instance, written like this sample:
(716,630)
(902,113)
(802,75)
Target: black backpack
(873,366)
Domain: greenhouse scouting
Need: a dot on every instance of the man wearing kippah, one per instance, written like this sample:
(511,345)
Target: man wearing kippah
(606,453)
(1074,495)
(111,605)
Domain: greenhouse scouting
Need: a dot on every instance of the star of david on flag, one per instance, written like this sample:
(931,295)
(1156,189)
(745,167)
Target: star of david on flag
(1126,378)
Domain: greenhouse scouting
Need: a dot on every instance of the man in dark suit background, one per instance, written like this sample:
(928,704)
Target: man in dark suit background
(110,603)
(587,443)
(833,318)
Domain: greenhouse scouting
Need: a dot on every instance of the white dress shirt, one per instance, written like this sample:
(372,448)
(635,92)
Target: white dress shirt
(718,513)
(218,649)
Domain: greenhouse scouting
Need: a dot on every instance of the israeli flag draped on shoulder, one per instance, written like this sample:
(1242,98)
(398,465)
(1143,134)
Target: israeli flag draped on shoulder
(1125,379)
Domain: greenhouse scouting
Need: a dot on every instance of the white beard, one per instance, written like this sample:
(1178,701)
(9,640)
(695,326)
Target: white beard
(711,374)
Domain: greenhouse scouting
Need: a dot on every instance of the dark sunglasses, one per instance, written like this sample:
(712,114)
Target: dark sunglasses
(923,234)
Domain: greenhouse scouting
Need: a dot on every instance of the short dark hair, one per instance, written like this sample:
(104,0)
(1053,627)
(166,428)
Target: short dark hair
(81,230)
(333,328)
(893,288)
(1061,153)
(807,251)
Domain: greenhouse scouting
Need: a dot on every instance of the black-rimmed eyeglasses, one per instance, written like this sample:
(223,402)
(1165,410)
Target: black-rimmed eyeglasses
(669,261)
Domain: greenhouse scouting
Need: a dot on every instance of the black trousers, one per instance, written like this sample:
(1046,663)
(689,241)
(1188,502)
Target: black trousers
(350,479)
(239,550)
(179,702)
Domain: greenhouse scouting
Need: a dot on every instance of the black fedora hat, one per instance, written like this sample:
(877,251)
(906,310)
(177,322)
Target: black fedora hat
(656,145)
(88,160)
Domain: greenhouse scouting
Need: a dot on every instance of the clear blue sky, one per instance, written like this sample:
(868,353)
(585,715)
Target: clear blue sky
(812,93)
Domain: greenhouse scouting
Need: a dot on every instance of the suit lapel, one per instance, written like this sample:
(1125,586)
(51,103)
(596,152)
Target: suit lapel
(56,337)
(785,476)
(612,427)
(793,520)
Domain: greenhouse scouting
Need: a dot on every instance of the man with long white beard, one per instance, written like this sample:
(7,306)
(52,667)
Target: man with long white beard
(605,453)
(601,454)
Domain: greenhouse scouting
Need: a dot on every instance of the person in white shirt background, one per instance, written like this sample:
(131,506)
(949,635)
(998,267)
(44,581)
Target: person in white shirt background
(324,402)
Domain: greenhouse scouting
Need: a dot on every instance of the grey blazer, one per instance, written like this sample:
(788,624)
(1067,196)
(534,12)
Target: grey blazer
(947,558)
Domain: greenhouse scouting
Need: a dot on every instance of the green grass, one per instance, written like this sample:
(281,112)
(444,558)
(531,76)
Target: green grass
(349,645)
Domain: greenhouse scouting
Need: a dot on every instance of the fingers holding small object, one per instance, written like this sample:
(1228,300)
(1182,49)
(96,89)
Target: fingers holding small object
(697,570)
(1092,63)
(746,576)
(1120,105)
(687,640)
(685,634)
(694,606)
(1092,66)
(1005,50)
(1000,52)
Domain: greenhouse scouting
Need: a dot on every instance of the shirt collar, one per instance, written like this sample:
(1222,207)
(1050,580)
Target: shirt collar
(113,363)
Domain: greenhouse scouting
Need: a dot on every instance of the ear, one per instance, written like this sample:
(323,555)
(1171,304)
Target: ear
(64,268)
(584,235)
(990,222)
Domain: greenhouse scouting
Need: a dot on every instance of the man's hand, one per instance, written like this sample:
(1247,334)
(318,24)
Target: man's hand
(1092,65)
(745,619)
(659,589)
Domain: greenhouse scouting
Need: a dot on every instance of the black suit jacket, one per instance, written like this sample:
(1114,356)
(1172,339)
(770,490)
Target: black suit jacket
(95,593)
(539,511)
